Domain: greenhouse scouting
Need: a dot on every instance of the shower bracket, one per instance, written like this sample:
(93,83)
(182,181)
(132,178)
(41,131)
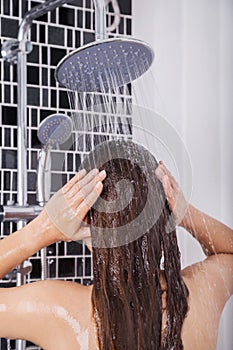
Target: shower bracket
(25,268)
(11,48)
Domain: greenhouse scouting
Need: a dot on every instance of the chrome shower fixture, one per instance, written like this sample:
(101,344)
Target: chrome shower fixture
(104,65)
(11,48)
(55,129)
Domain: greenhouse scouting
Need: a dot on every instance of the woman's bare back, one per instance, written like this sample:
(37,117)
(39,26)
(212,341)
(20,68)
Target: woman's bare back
(58,315)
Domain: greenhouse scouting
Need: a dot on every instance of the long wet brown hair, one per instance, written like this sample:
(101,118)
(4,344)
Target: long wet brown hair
(127,254)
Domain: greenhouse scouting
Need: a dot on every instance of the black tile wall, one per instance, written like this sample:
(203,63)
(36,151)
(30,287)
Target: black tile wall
(69,37)
(53,268)
(7,142)
(53,17)
(78,3)
(88,3)
(4,343)
(61,248)
(45,97)
(53,100)
(66,16)
(31,201)
(42,33)
(15,8)
(57,161)
(33,34)
(63,100)
(9,27)
(77,39)
(7,91)
(80,18)
(44,55)
(125,7)
(43,18)
(52,77)
(66,267)
(9,115)
(44,114)
(31,181)
(6,72)
(56,182)
(88,19)
(75,248)
(33,56)
(45,79)
(80,262)
(56,55)
(128,26)
(9,159)
(56,36)
(33,157)
(36,271)
(33,96)
(6,7)
(33,75)
(88,37)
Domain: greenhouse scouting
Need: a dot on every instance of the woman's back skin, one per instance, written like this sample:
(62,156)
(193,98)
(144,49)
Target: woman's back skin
(58,315)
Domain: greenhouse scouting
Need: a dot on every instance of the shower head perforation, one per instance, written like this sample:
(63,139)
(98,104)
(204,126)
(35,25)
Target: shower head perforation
(55,129)
(104,65)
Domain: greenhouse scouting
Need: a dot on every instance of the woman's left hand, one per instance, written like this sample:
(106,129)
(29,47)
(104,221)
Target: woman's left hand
(173,192)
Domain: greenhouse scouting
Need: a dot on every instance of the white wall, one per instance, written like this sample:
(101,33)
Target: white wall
(192,88)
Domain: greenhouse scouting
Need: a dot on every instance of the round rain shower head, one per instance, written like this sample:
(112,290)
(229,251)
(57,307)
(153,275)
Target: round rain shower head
(104,65)
(55,129)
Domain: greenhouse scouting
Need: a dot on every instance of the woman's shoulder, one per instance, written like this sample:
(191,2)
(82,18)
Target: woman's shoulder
(210,284)
(46,312)
(215,273)
(59,287)
(55,292)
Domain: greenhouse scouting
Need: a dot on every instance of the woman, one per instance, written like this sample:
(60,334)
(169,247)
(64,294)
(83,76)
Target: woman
(135,303)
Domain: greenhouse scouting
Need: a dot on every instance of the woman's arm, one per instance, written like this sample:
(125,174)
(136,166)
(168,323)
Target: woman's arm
(79,194)
(214,236)
(210,281)
(22,244)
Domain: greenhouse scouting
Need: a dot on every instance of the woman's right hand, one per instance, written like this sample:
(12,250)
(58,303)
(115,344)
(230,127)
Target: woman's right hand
(61,219)
(174,194)
(68,207)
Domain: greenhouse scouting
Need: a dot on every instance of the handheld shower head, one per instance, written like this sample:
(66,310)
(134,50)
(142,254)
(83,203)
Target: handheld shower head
(104,65)
(55,129)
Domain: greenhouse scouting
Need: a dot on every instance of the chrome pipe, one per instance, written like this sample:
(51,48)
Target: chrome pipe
(22,129)
(22,146)
(18,213)
(20,344)
(43,176)
(49,5)
(43,195)
(36,12)
(100,20)
(24,28)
